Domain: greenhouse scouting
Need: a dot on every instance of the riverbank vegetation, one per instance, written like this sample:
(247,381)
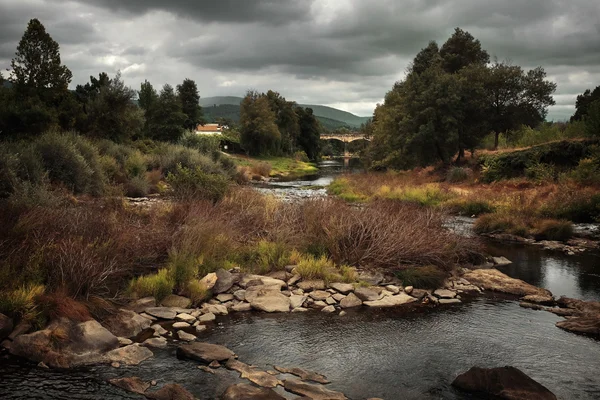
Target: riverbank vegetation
(265,166)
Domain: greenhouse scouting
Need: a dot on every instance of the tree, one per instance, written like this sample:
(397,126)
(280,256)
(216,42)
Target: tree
(259,134)
(190,99)
(310,132)
(89,91)
(165,117)
(592,119)
(461,50)
(112,114)
(583,103)
(286,120)
(147,96)
(37,66)
(425,58)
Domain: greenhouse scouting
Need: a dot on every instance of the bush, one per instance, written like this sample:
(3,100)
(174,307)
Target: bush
(158,285)
(261,168)
(135,164)
(195,183)
(554,230)
(311,267)
(183,267)
(458,174)
(541,173)
(573,205)
(137,186)
(470,207)
(203,143)
(501,223)
(59,305)
(21,303)
(426,277)
(587,172)
(301,156)
(270,256)
(197,291)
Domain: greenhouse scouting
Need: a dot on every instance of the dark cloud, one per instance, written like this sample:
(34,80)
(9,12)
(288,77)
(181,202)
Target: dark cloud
(344,52)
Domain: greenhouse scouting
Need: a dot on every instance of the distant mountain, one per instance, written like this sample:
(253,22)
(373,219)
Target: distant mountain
(228,107)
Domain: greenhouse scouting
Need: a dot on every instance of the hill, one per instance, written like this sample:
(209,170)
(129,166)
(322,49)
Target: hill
(228,107)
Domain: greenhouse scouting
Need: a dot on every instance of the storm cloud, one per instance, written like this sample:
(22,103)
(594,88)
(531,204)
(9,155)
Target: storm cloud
(343,53)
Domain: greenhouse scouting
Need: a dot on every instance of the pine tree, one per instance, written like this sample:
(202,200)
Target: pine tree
(190,99)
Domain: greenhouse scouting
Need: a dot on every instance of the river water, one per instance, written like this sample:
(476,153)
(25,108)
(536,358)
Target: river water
(392,354)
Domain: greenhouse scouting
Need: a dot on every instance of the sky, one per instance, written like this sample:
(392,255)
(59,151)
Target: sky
(342,53)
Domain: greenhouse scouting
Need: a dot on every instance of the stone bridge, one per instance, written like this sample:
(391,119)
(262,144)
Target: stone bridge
(346,138)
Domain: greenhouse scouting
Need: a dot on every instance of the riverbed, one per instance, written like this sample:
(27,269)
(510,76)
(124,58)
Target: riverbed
(391,354)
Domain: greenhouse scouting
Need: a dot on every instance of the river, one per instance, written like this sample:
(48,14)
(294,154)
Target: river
(392,354)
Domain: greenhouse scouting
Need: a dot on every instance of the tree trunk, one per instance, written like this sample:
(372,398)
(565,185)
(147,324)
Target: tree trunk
(461,155)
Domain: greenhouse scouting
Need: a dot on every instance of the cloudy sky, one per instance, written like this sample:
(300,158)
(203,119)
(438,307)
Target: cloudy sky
(342,53)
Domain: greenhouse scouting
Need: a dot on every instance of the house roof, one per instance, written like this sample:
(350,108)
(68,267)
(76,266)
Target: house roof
(208,128)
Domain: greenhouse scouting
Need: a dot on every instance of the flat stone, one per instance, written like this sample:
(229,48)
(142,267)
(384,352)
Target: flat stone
(140,305)
(391,301)
(148,316)
(129,355)
(264,280)
(244,391)
(343,288)
(225,281)
(314,392)
(304,374)
(206,369)
(188,337)
(444,294)
(124,341)
(217,309)
(126,323)
(298,292)
(161,312)
(350,301)
(319,304)
(328,309)
(159,330)
(225,297)
(170,392)
(209,281)
(319,295)
(394,289)
(366,294)
(174,300)
(254,375)
(588,325)
(338,296)
(342,313)
(537,299)
(281,275)
(297,301)
(190,319)
(492,279)
(293,280)
(155,342)
(131,384)
(200,328)
(417,293)
(300,309)
(330,301)
(181,325)
(204,352)
(241,307)
(308,286)
(372,278)
(501,261)
(272,302)
(240,295)
(207,317)
(261,290)
(449,301)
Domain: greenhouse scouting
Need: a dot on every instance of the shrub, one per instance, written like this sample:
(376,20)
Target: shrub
(137,186)
(195,183)
(426,277)
(21,303)
(458,174)
(158,285)
(541,173)
(261,168)
(311,267)
(197,291)
(203,143)
(501,223)
(168,156)
(270,256)
(301,156)
(470,207)
(183,267)
(342,188)
(587,172)
(59,305)
(573,205)
(553,230)
(135,164)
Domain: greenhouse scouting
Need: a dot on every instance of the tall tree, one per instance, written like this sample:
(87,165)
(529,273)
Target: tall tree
(425,58)
(147,96)
(258,129)
(190,103)
(112,114)
(461,50)
(286,120)
(89,91)
(592,119)
(165,117)
(583,103)
(310,132)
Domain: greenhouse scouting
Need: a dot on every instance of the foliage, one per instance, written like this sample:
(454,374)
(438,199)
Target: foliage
(195,183)
(426,277)
(458,174)
(520,225)
(583,103)
(197,291)
(158,285)
(554,230)
(203,143)
(21,303)
(270,256)
(147,96)
(165,118)
(137,186)
(258,128)
(187,92)
(592,119)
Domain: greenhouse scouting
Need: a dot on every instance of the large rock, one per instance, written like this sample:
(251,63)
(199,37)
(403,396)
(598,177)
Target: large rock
(170,392)
(501,261)
(444,294)
(129,355)
(225,281)
(343,288)
(209,281)
(582,325)
(6,326)
(366,294)
(492,279)
(537,299)
(260,290)
(253,374)
(319,295)
(65,344)
(314,392)
(126,323)
(371,277)
(307,286)
(303,374)
(504,383)
(204,352)
(271,302)
(391,301)
(350,301)
(262,280)
(297,300)
(174,300)
(131,384)
(162,312)
(140,305)
(244,391)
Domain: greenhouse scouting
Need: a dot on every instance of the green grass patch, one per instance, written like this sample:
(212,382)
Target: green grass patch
(158,285)
(279,166)
(426,277)
(342,188)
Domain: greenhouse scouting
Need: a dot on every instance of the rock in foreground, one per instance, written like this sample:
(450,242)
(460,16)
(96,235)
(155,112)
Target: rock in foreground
(504,383)
(492,279)
(315,392)
(204,352)
(131,384)
(170,392)
(243,391)
(582,325)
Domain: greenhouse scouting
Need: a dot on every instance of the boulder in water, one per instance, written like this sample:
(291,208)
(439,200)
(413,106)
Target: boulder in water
(244,391)
(204,352)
